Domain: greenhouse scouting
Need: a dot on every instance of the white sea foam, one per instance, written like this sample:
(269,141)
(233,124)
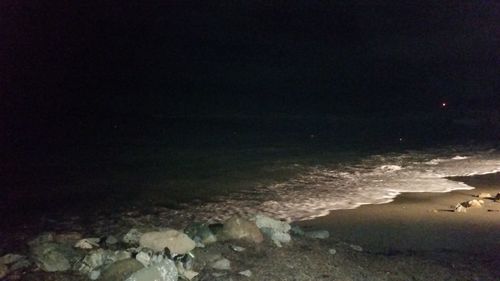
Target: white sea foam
(376,179)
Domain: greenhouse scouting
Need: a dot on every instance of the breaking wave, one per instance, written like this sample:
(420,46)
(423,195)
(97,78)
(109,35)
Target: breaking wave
(376,179)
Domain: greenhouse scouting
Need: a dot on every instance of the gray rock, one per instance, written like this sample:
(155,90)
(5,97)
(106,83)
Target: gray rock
(332,251)
(132,237)
(52,257)
(87,243)
(42,238)
(276,236)
(317,234)
(297,230)
(93,275)
(92,261)
(11,258)
(120,270)
(237,248)
(202,232)
(20,264)
(276,225)
(162,270)
(176,241)
(144,258)
(3,270)
(356,248)
(222,264)
(246,273)
(111,240)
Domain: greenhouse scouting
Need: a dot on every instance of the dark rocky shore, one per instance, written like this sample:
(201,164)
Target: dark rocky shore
(134,246)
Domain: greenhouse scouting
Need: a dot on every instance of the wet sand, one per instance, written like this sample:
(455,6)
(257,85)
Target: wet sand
(423,222)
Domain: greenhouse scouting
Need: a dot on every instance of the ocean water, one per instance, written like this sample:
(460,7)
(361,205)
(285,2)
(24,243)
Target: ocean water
(293,169)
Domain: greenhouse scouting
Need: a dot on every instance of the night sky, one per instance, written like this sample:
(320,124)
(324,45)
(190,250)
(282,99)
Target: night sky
(236,58)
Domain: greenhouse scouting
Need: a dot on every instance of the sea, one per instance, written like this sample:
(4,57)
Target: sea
(212,168)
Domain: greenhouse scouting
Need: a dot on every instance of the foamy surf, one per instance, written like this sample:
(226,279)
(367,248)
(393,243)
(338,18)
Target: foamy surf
(376,179)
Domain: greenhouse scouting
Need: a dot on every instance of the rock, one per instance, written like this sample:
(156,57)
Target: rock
(177,242)
(317,234)
(42,238)
(484,195)
(356,248)
(240,228)
(69,238)
(246,273)
(276,230)
(92,261)
(161,270)
(3,270)
(111,240)
(332,251)
(93,275)
(11,258)
(52,257)
(237,248)
(275,236)
(132,237)
(497,197)
(459,208)
(88,243)
(144,258)
(279,226)
(222,264)
(120,270)
(20,264)
(202,232)
(297,230)
(474,203)
(185,273)
(111,257)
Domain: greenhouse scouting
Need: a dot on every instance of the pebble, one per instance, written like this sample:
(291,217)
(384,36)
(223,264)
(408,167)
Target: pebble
(237,248)
(246,273)
(222,264)
(332,251)
(356,248)
(111,240)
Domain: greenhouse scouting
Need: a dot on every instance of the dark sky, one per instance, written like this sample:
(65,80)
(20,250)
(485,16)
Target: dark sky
(247,57)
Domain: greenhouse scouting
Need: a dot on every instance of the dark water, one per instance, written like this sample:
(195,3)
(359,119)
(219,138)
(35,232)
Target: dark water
(116,163)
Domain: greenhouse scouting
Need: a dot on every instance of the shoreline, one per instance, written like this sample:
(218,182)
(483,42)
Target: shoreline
(422,221)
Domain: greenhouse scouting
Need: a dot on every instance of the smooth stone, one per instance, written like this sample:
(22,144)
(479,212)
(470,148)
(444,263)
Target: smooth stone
(53,257)
(164,270)
(177,242)
(279,226)
(93,275)
(240,228)
(332,251)
(237,248)
(356,248)
(222,264)
(317,234)
(201,231)
(11,258)
(132,237)
(120,270)
(246,273)
(23,263)
(144,258)
(68,237)
(484,195)
(87,243)
(111,240)
(275,236)
(475,203)
(3,270)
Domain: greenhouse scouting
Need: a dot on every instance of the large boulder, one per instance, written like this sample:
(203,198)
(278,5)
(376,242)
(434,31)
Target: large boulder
(52,257)
(240,228)
(161,270)
(121,270)
(177,242)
